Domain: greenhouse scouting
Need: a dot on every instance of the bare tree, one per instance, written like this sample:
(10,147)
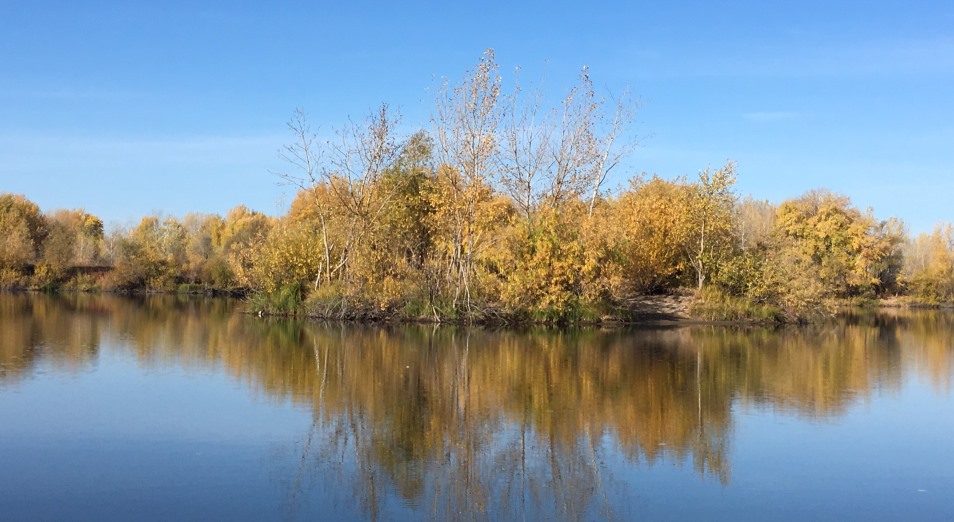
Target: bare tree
(608,146)
(305,155)
(524,156)
(358,160)
(573,151)
(466,124)
(350,168)
(557,155)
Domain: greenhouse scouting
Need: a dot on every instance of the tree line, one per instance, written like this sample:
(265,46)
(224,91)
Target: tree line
(500,211)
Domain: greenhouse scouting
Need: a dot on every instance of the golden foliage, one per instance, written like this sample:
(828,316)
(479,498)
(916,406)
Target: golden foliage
(290,254)
(825,248)
(652,228)
(23,231)
(929,267)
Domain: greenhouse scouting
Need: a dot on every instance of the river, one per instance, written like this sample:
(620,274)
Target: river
(170,408)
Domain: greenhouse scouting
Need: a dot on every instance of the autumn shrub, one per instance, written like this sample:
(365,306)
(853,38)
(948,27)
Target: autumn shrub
(284,300)
(23,229)
(11,278)
(650,219)
(713,304)
(559,267)
(190,288)
(929,266)
(418,307)
(289,256)
(327,301)
(46,276)
(741,274)
(83,283)
(219,274)
(387,300)
(122,277)
(543,276)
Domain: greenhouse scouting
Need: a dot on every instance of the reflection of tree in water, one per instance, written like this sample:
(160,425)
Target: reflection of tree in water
(479,424)
(472,423)
(420,416)
(63,332)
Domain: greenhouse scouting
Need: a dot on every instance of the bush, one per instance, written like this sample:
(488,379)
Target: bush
(46,277)
(714,305)
(286,300)
(11,278)
(83,283)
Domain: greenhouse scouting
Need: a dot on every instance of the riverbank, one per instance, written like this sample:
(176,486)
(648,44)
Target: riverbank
(184,289)
(680,307)
(911,302)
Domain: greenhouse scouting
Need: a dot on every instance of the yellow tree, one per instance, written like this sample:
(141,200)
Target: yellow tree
(466,124)
(390,264)
(305,155)
(553,163)
(755,220)
(823,247)
(929,265)
(241,227)
(289,256)
(349,168)
(466,219)
(709,221)
(235,243)
(22,231)
(361,159)
(75,238)
(151,255)
(651,216)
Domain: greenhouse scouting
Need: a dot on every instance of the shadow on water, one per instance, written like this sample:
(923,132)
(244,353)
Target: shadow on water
(469,423)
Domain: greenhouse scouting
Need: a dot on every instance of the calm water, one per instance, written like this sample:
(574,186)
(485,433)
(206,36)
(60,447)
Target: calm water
(172,409)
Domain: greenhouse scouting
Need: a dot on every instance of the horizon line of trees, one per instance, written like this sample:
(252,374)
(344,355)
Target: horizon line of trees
(500,211)
(795,255)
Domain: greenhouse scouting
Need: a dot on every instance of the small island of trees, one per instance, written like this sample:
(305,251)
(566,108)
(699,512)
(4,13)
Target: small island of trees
(500,212)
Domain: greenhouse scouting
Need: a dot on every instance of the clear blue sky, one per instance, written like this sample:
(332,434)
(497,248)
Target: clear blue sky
(126,108)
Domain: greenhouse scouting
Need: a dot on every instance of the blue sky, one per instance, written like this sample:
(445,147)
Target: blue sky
(126,108)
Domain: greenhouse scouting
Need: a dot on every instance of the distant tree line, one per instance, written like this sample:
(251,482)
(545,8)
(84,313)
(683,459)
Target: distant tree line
(499,212)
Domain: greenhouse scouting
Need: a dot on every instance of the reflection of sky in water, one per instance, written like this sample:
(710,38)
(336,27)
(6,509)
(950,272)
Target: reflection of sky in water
(199,414)
(123,442)
(888,459)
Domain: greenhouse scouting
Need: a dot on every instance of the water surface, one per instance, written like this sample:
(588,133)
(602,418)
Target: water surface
(166,408)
